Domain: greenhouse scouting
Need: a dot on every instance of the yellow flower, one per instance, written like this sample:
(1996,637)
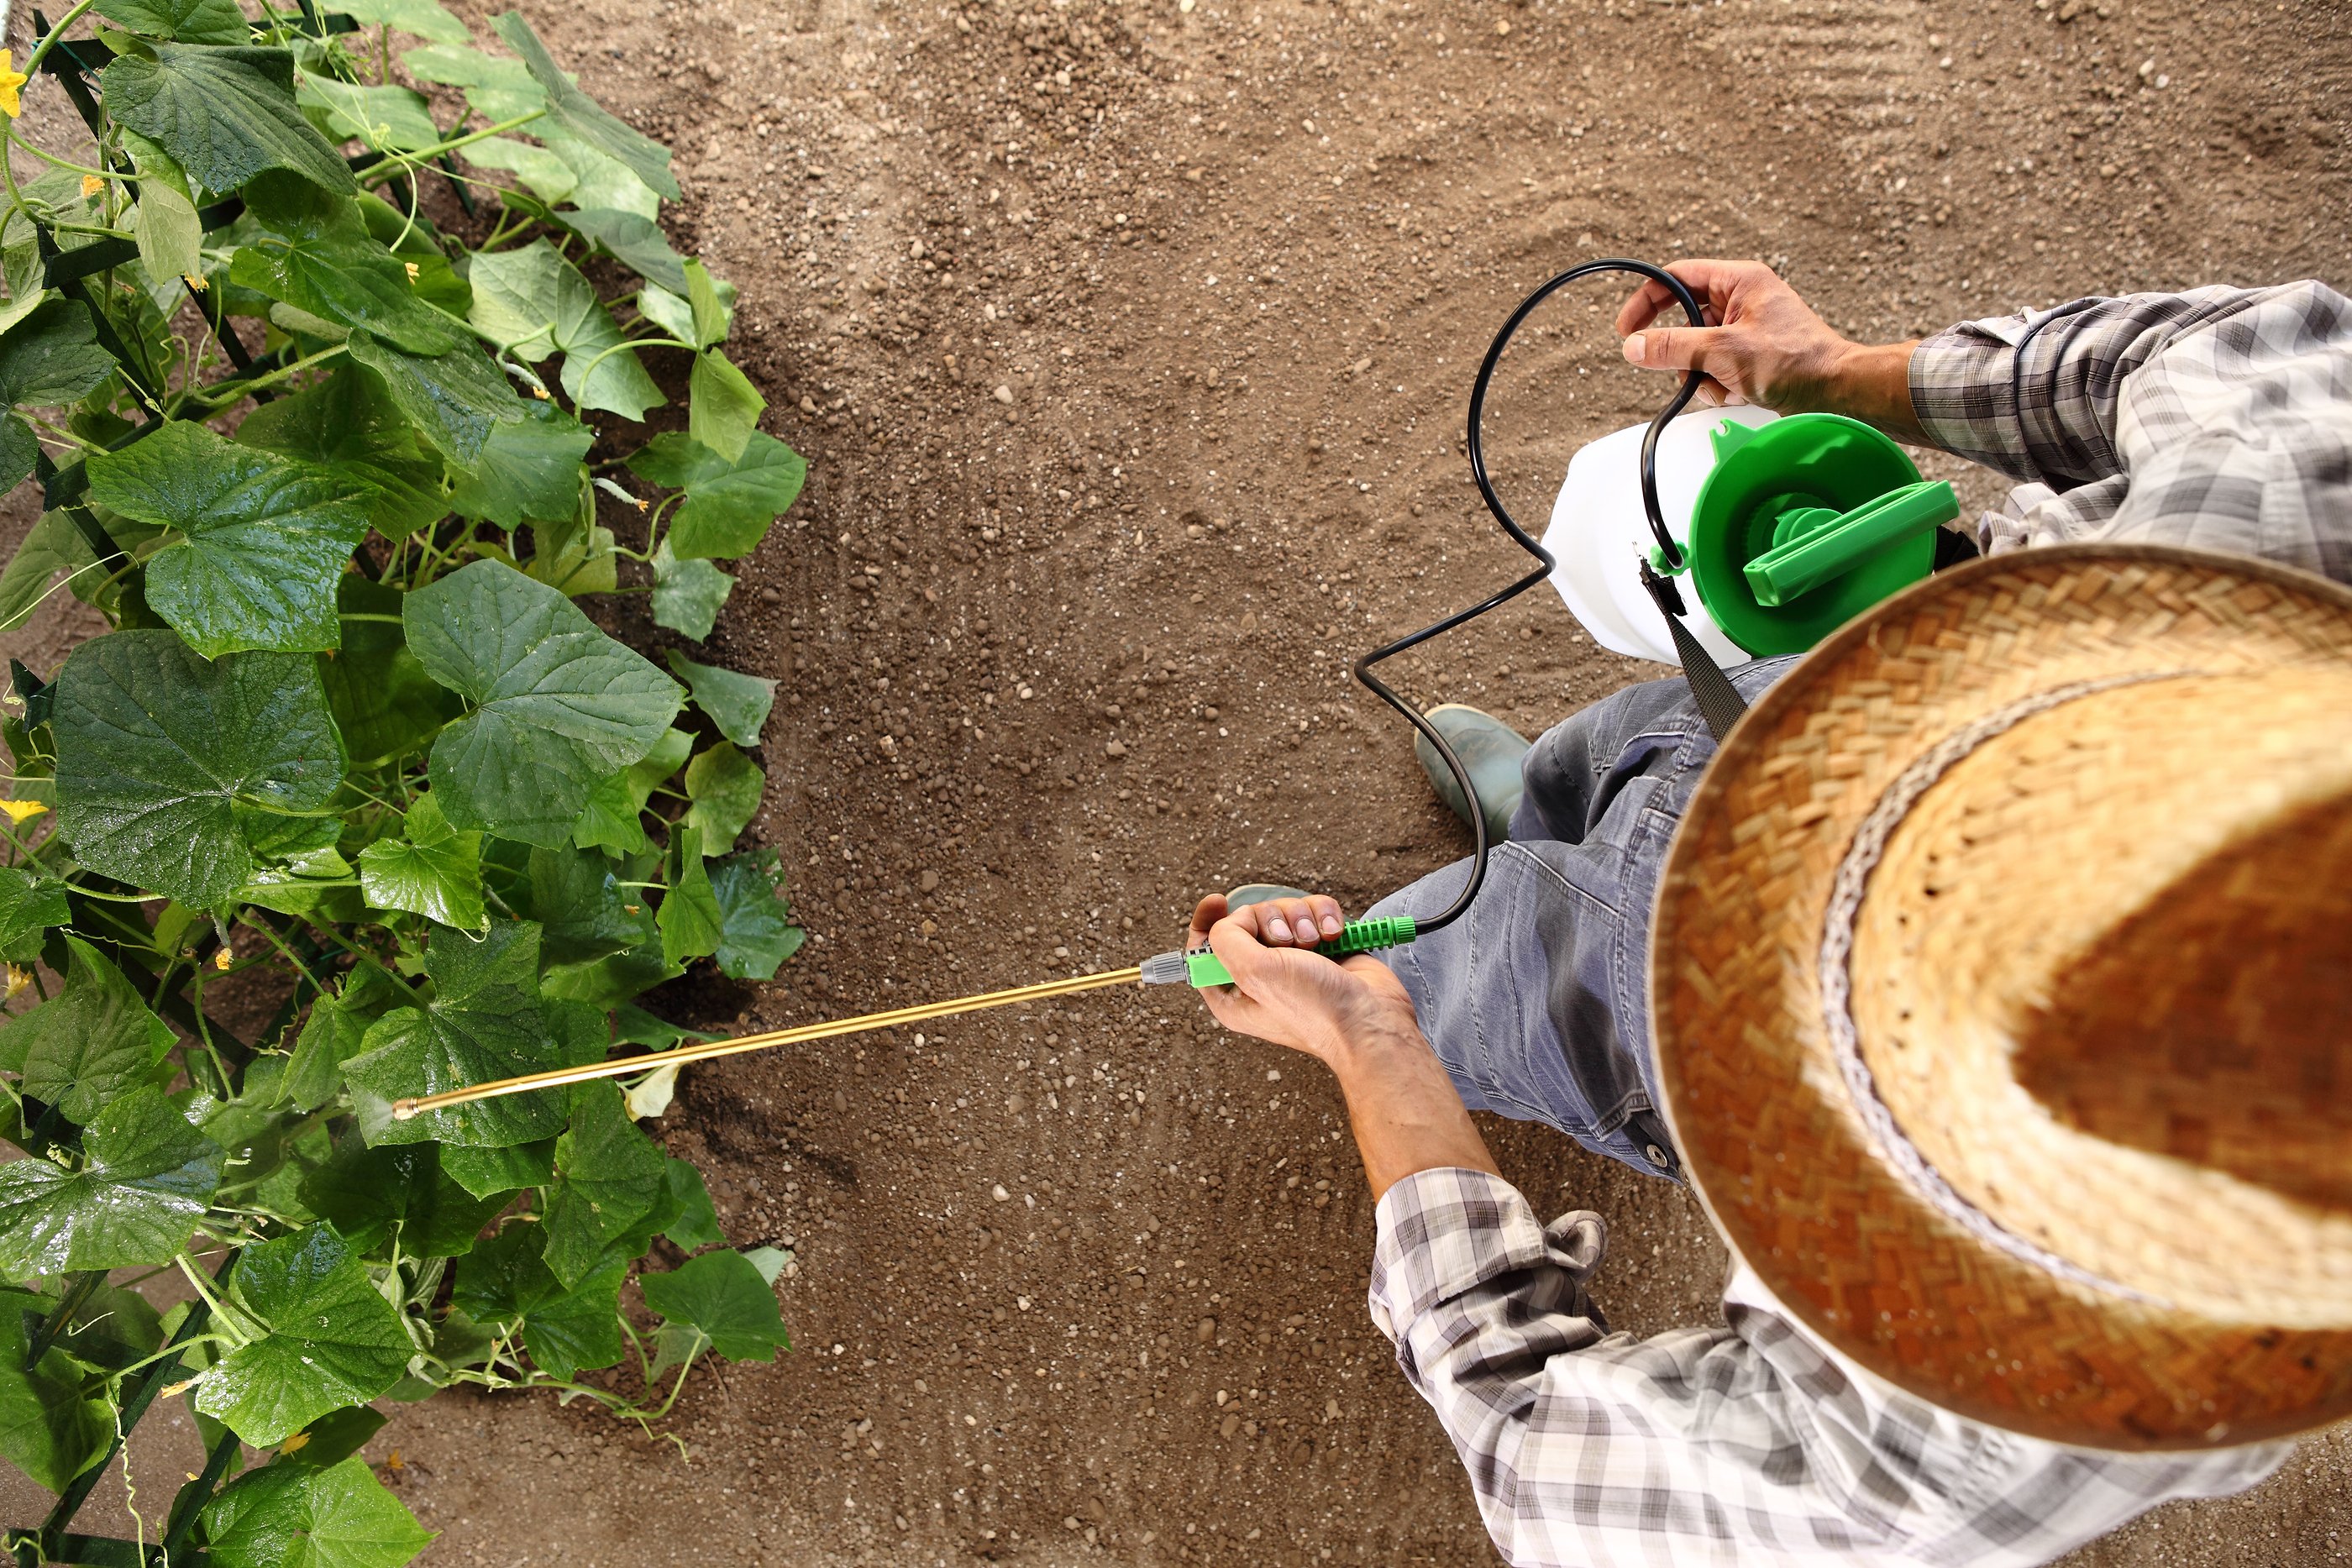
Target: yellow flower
(412,270)
(90,186)
(224,961)
(17,980)
(195,284)
(21,812)
(11,80)
(295,1444)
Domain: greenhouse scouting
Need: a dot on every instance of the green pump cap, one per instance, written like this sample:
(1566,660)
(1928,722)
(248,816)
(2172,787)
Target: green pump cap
(1805,523)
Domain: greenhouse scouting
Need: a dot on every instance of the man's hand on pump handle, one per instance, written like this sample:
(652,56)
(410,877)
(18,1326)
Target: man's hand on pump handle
(1972,1317)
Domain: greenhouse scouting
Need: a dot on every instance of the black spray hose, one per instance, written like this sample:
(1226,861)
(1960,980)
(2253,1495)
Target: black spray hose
(1667,548)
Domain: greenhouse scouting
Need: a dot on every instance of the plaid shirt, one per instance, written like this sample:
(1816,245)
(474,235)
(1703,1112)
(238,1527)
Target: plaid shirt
(2219,418)
(1751,1444)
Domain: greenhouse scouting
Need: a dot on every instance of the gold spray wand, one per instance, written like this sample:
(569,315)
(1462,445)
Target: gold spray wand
(402,1110)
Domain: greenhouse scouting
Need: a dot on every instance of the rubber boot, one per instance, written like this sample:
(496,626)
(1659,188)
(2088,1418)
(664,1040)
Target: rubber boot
(1490,749)
(1251,893)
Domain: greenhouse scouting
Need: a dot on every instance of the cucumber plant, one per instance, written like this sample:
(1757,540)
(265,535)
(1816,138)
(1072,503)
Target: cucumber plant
(352,800)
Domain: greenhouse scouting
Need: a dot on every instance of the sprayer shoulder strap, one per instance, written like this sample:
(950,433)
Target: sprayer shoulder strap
(1720,702)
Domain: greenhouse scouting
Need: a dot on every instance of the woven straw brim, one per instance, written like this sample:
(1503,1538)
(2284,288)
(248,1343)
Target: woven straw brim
(1775,1142)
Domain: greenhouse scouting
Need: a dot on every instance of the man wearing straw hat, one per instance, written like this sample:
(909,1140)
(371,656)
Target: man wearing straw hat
(1992,984)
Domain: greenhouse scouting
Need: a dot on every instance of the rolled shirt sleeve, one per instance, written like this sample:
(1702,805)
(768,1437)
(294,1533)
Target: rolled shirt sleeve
(2219,418)
(1748,1444)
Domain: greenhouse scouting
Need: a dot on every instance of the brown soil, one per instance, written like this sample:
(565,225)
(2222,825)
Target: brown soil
(1129,346)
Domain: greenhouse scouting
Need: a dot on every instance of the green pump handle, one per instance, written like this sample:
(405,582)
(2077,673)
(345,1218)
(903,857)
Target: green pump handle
(1203,968)
(1814,544)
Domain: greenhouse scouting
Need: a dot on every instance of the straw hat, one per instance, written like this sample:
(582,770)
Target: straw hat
(2002,990)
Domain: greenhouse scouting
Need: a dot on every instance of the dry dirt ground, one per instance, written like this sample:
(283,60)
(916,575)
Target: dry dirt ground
(1128,344)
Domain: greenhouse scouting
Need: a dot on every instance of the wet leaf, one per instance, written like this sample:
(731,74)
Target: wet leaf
(755,932)
(145,1177)
(187,21)
(608,1177)
(722,1294)
(398,1191)
(89,1043)
(50,1427)
(224,114)
(330,1339)
(505,1280)
(295,1515)
(431,869)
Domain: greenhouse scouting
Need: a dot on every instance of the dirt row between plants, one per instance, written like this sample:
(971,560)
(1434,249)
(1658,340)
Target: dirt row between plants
(1129,347)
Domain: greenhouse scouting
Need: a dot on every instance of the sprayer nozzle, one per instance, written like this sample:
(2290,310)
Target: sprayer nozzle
(1166,969)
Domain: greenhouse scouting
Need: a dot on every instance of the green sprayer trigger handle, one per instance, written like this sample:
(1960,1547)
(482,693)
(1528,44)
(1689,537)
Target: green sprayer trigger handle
(1833,543)
(1203,967)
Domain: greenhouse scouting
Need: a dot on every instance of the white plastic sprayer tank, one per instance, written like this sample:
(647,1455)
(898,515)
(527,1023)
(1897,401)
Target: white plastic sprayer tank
(1600,532)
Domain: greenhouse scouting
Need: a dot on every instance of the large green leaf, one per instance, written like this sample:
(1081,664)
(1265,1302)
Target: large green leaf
(336,1031)
(50,356)
(690,919)
(456,398)
(755,930)
(505,1280)
(544,174)
(583,116)
(727,506)
(330,1338)
(558,704)
(738,703)
(582,910)
(52,1427)
(397,1193)
(677,316)
(263,538)
(575,556)
(425,18)
(688,594)
(721,1293)
(112,1329)
(723,408)
(388,119)
(88,1044)
(696,1221)
(347,422)
(144,1179)
(529,469)
(484,1022)
(486,1173)
(607,982)
(610,819)
(168,766)
(293,1514)
(224,114)
(608,1177)
(318,254)
(53,545)
(20,454)
(431,869)
(30,905)
(725,787)
(383,702)
(636,241)
(536,303)
(188,21)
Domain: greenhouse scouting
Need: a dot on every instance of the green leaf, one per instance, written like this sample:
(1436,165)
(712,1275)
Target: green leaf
(51,356)
(430,870)
(167,765)
(548,177)
(688,594)
(538,303)
(347,424)
(334,1438)
(170,239)
(690,919)
(609,981)
(384,703)
(514,298)
(484,1022)
(113,1330)
(722,1294)
(333,1034)
(330,1339)
(601,180)
(30,905)
(20,451)
(53,545)
(727,506)
(263,538)
(145,1178)
(90,1042)
(610,819)
(635,241)
(456,398)
(575,557)
(50,1428)
(583,116)
(425,18)
(559,704)
(724,407)
(712,318)
(486,1173)
(608,1175)
(505,1280)
(697,1224)
(397,1192)
(320,257)
(756,933)
(224,114)
(575,896)
(675,316)
(725,787)
(296,1515)
(388,119)
(188,21)
(738,703)
(529,469)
